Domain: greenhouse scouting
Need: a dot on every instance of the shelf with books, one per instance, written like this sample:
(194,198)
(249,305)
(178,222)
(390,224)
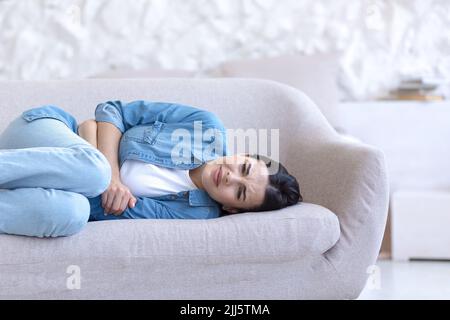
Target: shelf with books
(420,89)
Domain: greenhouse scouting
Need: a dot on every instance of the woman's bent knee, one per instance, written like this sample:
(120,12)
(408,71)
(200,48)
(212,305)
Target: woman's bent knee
(70,215)
(78,214)
(41,212)
(98,176)
(103,179)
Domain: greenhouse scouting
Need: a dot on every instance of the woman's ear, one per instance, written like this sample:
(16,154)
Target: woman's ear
(230,210)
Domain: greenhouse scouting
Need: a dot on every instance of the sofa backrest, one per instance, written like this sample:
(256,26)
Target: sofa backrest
(240,103)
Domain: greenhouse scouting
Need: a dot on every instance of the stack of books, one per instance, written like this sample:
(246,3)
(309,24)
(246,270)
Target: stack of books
(423,88)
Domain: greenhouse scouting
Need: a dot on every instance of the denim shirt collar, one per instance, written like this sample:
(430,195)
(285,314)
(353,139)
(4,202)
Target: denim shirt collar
(199,197)
(196,198)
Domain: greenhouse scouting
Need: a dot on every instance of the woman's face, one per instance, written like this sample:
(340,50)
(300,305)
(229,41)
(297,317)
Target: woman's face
(237,182)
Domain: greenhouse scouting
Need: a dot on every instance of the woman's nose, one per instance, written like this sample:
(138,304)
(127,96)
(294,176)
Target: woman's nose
(231,177)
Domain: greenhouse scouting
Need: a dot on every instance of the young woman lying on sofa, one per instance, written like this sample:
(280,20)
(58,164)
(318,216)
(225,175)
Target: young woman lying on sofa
(129,165)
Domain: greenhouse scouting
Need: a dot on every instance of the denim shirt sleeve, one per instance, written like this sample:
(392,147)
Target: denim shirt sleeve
(126,115)
(150,208)
(146,208)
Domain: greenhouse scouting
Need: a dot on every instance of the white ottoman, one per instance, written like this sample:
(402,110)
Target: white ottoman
(420,225)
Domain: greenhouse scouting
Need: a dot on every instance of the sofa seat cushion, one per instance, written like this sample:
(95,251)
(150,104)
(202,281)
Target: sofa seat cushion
(288,234)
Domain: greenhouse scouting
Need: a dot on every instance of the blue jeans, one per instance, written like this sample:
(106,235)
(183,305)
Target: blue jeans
(47,172)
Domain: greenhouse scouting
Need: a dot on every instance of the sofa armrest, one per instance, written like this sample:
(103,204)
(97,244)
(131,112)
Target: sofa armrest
(294,232)
(350,178)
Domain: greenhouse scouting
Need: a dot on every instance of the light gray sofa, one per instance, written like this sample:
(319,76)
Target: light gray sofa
(319,249)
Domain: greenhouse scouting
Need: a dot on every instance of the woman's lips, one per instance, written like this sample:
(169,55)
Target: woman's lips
(217,176)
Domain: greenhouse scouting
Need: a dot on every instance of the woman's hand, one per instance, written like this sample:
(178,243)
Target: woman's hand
(117,197)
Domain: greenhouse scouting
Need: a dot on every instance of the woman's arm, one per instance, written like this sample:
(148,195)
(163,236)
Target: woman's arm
(88,131)
(127,115)
(118,196)
(108,138)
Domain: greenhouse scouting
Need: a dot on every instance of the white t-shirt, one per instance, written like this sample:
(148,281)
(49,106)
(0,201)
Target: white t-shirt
(148,180)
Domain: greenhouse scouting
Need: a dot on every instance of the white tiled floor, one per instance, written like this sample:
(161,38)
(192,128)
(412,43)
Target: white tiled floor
(408,280)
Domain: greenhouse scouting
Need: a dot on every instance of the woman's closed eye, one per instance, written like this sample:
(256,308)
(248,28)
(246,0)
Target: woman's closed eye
(242,190)
(245,169)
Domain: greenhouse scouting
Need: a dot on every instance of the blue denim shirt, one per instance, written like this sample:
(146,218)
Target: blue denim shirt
(165,134)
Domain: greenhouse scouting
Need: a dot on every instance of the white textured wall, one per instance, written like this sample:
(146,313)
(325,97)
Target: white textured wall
(380,40)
